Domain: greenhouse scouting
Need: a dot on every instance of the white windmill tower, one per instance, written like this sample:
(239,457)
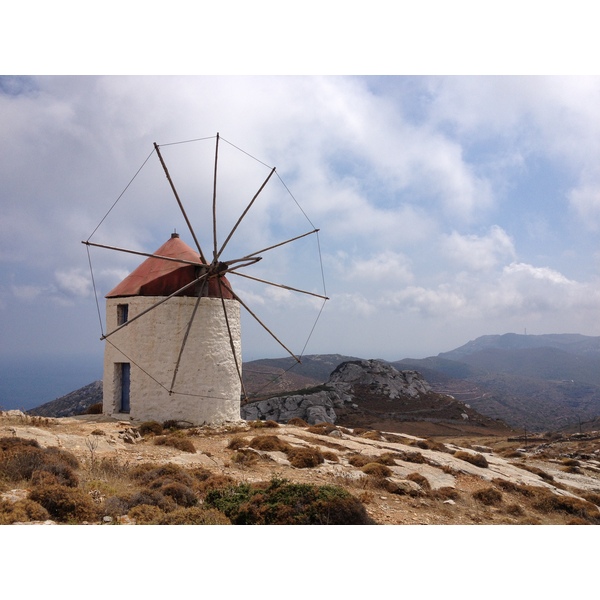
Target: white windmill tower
(173,341)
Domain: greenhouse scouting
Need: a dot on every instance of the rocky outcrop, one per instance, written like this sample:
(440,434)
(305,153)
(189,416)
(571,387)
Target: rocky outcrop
(341,391)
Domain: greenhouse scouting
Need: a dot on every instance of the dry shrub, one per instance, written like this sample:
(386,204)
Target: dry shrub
(577,521)
(297,422)
(592,497)
(214,482)
(429,444)
(420,480)
(177,442)
(412,457)
(322,428)
(511,454)
(570,462)
(479,460)
(359,460)
(194,516)
(152,498)
(516,510)
(181,494)
(510,486)
(175,425)
(258,424)
(359,430)
(115,506)
(330,456)
(94,409)
(268,443)
(237,442)
(284,503)
(158,475)
(371,435)
(305,458)
(547,502)
(376,469)
(24,458)
(537,471)
(445,493)
(387,458)
(145,514)
(22,511)
(489,496)
(150,428)
(244,457)
(65,504)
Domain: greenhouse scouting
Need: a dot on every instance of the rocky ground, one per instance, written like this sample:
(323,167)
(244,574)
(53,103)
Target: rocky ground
(477,480)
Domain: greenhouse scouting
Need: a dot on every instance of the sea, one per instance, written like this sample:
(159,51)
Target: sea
(29,382)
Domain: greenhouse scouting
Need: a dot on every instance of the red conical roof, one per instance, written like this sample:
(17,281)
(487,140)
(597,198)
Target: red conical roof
(158,277)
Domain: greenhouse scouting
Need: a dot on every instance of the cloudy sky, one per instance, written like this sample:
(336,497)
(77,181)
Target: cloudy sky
(449,207)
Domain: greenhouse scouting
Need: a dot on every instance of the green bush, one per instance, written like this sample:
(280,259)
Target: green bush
(284,503)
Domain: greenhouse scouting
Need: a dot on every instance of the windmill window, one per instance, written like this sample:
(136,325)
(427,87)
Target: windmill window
(122,313)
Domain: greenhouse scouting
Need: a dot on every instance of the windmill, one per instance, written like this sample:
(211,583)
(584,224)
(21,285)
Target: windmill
(173,339)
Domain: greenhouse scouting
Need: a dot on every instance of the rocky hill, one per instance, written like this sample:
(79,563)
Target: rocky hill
(372,393)
(77,402)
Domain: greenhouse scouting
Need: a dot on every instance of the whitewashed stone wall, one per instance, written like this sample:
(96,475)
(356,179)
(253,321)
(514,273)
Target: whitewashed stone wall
(207,388)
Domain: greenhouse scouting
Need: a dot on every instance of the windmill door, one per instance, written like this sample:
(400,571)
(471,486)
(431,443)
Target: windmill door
(125,385)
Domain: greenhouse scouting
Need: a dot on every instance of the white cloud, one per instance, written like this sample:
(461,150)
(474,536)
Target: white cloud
(74,282)
(479,252)
(586,202)
(387,268)
(29,292)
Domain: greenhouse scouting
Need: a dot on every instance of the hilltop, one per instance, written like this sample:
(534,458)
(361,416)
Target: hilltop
(534,382)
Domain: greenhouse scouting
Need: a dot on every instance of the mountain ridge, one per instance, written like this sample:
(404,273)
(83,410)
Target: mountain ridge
(511,377)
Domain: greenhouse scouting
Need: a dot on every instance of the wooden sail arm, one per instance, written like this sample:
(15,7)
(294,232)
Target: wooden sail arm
(231,344)
(164,166)
(281,285)
(282,243)
(178,260)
